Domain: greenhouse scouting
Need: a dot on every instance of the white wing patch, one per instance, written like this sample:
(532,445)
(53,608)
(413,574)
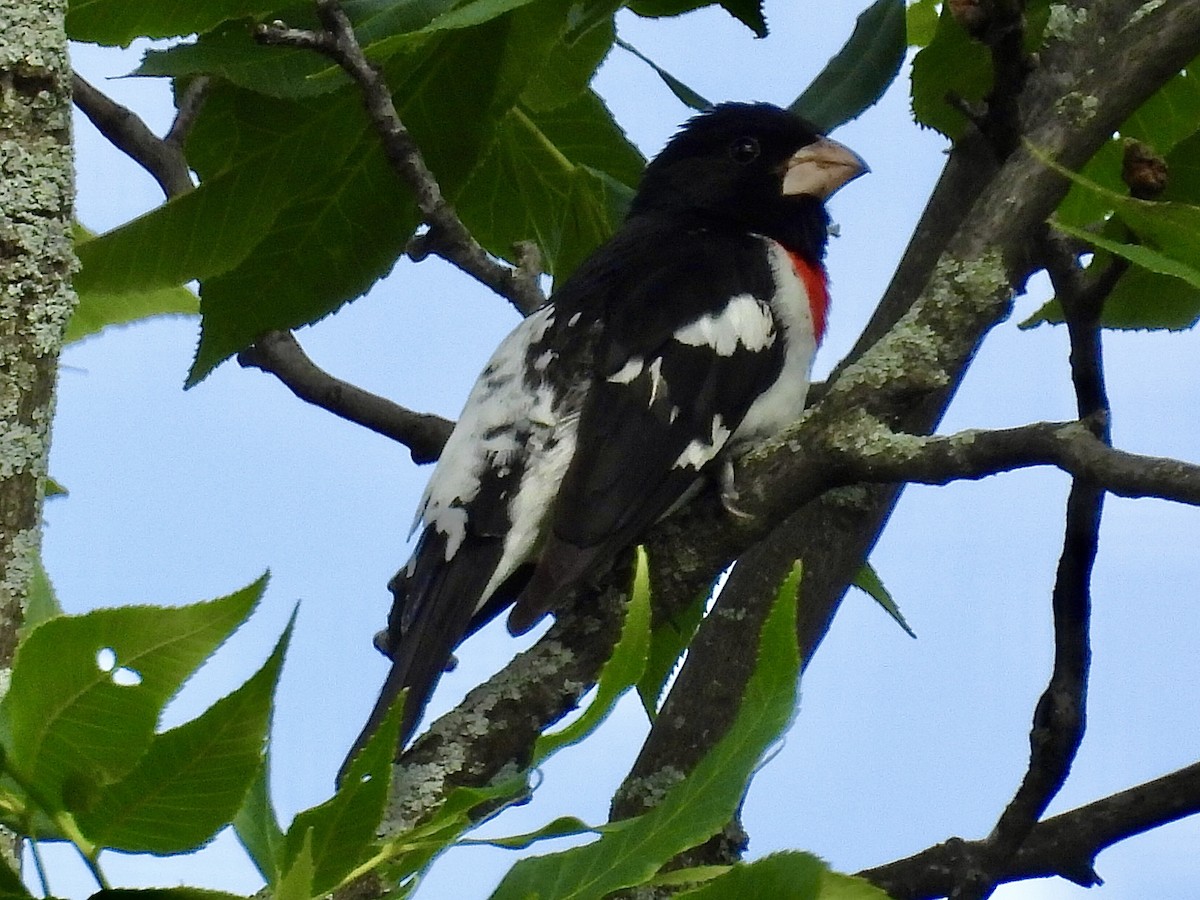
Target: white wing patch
(628,372)
(484,438)
(698,453)
(745,321)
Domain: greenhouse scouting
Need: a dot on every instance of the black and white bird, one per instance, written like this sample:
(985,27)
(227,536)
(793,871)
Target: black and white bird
(685,338)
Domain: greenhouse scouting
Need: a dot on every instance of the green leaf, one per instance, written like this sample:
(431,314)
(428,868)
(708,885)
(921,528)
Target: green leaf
(1167,245)
(952,63)
(620,673)
(682,92)
(231,53)
(54,489)
(338,833)
(257,826)
(860,72)
(695,808)
(563,826)
(98,310)
(87,690)
(10,881)
(118,22)
(43,603)
(795,875)
(179,893)
(205,766)
(297,882)
(921,20)
(571,64)
(667,644)
(528,188)
(1171,115)
(748,12)
(341,217)
(1164,263)
(868,581)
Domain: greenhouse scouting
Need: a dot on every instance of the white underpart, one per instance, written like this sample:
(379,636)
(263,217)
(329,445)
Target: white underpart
(745,321)
(782,404)
(697,454)
(480,440)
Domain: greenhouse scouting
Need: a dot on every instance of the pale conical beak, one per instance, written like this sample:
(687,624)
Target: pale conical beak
(822,167)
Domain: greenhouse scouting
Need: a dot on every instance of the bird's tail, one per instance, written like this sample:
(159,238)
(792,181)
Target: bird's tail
(434,601)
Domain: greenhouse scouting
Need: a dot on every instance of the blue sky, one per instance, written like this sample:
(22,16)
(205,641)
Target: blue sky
(899,743)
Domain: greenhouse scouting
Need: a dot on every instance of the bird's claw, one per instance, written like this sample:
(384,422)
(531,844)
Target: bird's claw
(729,493)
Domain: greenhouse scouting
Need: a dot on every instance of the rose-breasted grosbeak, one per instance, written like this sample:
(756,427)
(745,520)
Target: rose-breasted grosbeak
(686,336)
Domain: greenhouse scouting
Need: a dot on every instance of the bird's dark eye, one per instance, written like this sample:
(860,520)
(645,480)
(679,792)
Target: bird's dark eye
(744,150)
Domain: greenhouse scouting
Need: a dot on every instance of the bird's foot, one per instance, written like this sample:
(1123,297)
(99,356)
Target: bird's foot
(729,492)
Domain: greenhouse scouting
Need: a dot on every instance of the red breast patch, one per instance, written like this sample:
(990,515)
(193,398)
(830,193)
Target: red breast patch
(816,285)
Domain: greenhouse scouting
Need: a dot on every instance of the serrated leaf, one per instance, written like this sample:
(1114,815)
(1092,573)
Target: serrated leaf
(340,228)
(667,645)
(571,64)
(684,94)
(952,63)
(204,766)
(748,12)
(231,53)
(338,833)
(257,826)
(563,826)
(118,22)
(620,673)
(87,690)
(858,74)
(527,188)
(697,807)
(868,581)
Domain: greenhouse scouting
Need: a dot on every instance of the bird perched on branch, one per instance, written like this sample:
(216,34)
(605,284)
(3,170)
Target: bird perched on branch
(687,336)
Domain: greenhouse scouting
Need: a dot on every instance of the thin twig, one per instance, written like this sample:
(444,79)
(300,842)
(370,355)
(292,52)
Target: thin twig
(188,103)
(279,353)
(128,133)
(1061,715)
(447,236)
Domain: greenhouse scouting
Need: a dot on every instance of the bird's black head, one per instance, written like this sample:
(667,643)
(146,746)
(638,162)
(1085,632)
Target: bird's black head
(753,166)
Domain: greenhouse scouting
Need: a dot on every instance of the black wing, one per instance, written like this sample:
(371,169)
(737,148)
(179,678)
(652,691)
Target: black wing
(689,342)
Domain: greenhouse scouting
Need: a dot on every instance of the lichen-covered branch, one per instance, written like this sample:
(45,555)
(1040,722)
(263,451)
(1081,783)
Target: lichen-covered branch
(448,237)
(36,262)
(279,353)
(973,247)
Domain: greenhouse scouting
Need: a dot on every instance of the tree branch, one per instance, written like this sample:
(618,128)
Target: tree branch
(163,159)
(448,237)
(1065,845)
(280,354)
(971,248)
